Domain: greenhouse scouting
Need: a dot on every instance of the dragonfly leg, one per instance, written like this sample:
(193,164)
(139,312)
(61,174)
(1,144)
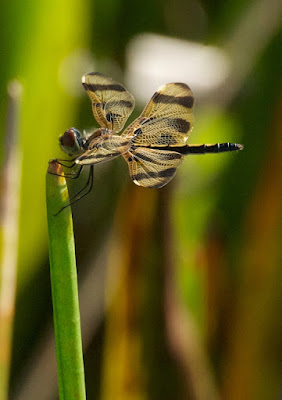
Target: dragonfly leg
(88,184)
(79,196)
(72,175)
(59,161)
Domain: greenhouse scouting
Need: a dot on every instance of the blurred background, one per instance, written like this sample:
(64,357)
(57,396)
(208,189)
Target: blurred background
(180,288)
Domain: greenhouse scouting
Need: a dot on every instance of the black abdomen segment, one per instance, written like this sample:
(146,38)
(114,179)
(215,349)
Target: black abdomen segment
(212,148)
(203,148)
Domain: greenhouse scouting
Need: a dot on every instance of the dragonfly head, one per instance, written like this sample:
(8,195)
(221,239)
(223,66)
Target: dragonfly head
(72,142)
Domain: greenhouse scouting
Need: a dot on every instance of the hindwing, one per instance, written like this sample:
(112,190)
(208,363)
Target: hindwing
(150,167)
(166,120)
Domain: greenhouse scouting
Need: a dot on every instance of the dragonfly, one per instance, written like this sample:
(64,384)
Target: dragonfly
(153,146)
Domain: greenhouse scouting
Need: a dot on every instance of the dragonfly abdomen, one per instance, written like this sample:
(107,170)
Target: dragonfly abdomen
(203,148)
(211,148)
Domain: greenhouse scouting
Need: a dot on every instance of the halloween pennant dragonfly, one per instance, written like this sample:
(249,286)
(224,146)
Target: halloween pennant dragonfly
(154,145)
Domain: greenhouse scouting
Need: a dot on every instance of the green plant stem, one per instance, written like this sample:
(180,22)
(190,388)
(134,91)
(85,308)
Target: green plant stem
(64,289)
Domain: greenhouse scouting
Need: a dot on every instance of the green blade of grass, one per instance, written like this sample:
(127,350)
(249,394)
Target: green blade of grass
(64,288)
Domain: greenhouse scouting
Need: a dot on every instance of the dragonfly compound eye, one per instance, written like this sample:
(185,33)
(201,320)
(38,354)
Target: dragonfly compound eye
(70,141)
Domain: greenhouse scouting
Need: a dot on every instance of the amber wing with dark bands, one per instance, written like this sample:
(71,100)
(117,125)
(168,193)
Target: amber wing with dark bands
(152,168)
(166,120)
(103,148)
(111,102)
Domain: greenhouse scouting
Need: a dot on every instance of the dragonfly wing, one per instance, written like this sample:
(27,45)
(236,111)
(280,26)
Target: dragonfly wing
(103,148)
(150,167)
(111,102)
(166,120)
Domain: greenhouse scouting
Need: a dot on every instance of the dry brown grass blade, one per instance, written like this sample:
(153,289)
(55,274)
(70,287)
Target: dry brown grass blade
(9,209)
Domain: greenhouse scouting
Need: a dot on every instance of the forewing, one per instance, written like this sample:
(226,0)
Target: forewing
(152,168)
(103,148)
(166,120)
(111,102)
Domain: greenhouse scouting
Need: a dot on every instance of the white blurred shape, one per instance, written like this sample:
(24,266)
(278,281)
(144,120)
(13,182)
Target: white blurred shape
(153,60)
(72,67)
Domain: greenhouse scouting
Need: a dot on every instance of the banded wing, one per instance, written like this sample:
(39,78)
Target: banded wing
(166,120)
(111,102)
(103,148)
(152,168)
